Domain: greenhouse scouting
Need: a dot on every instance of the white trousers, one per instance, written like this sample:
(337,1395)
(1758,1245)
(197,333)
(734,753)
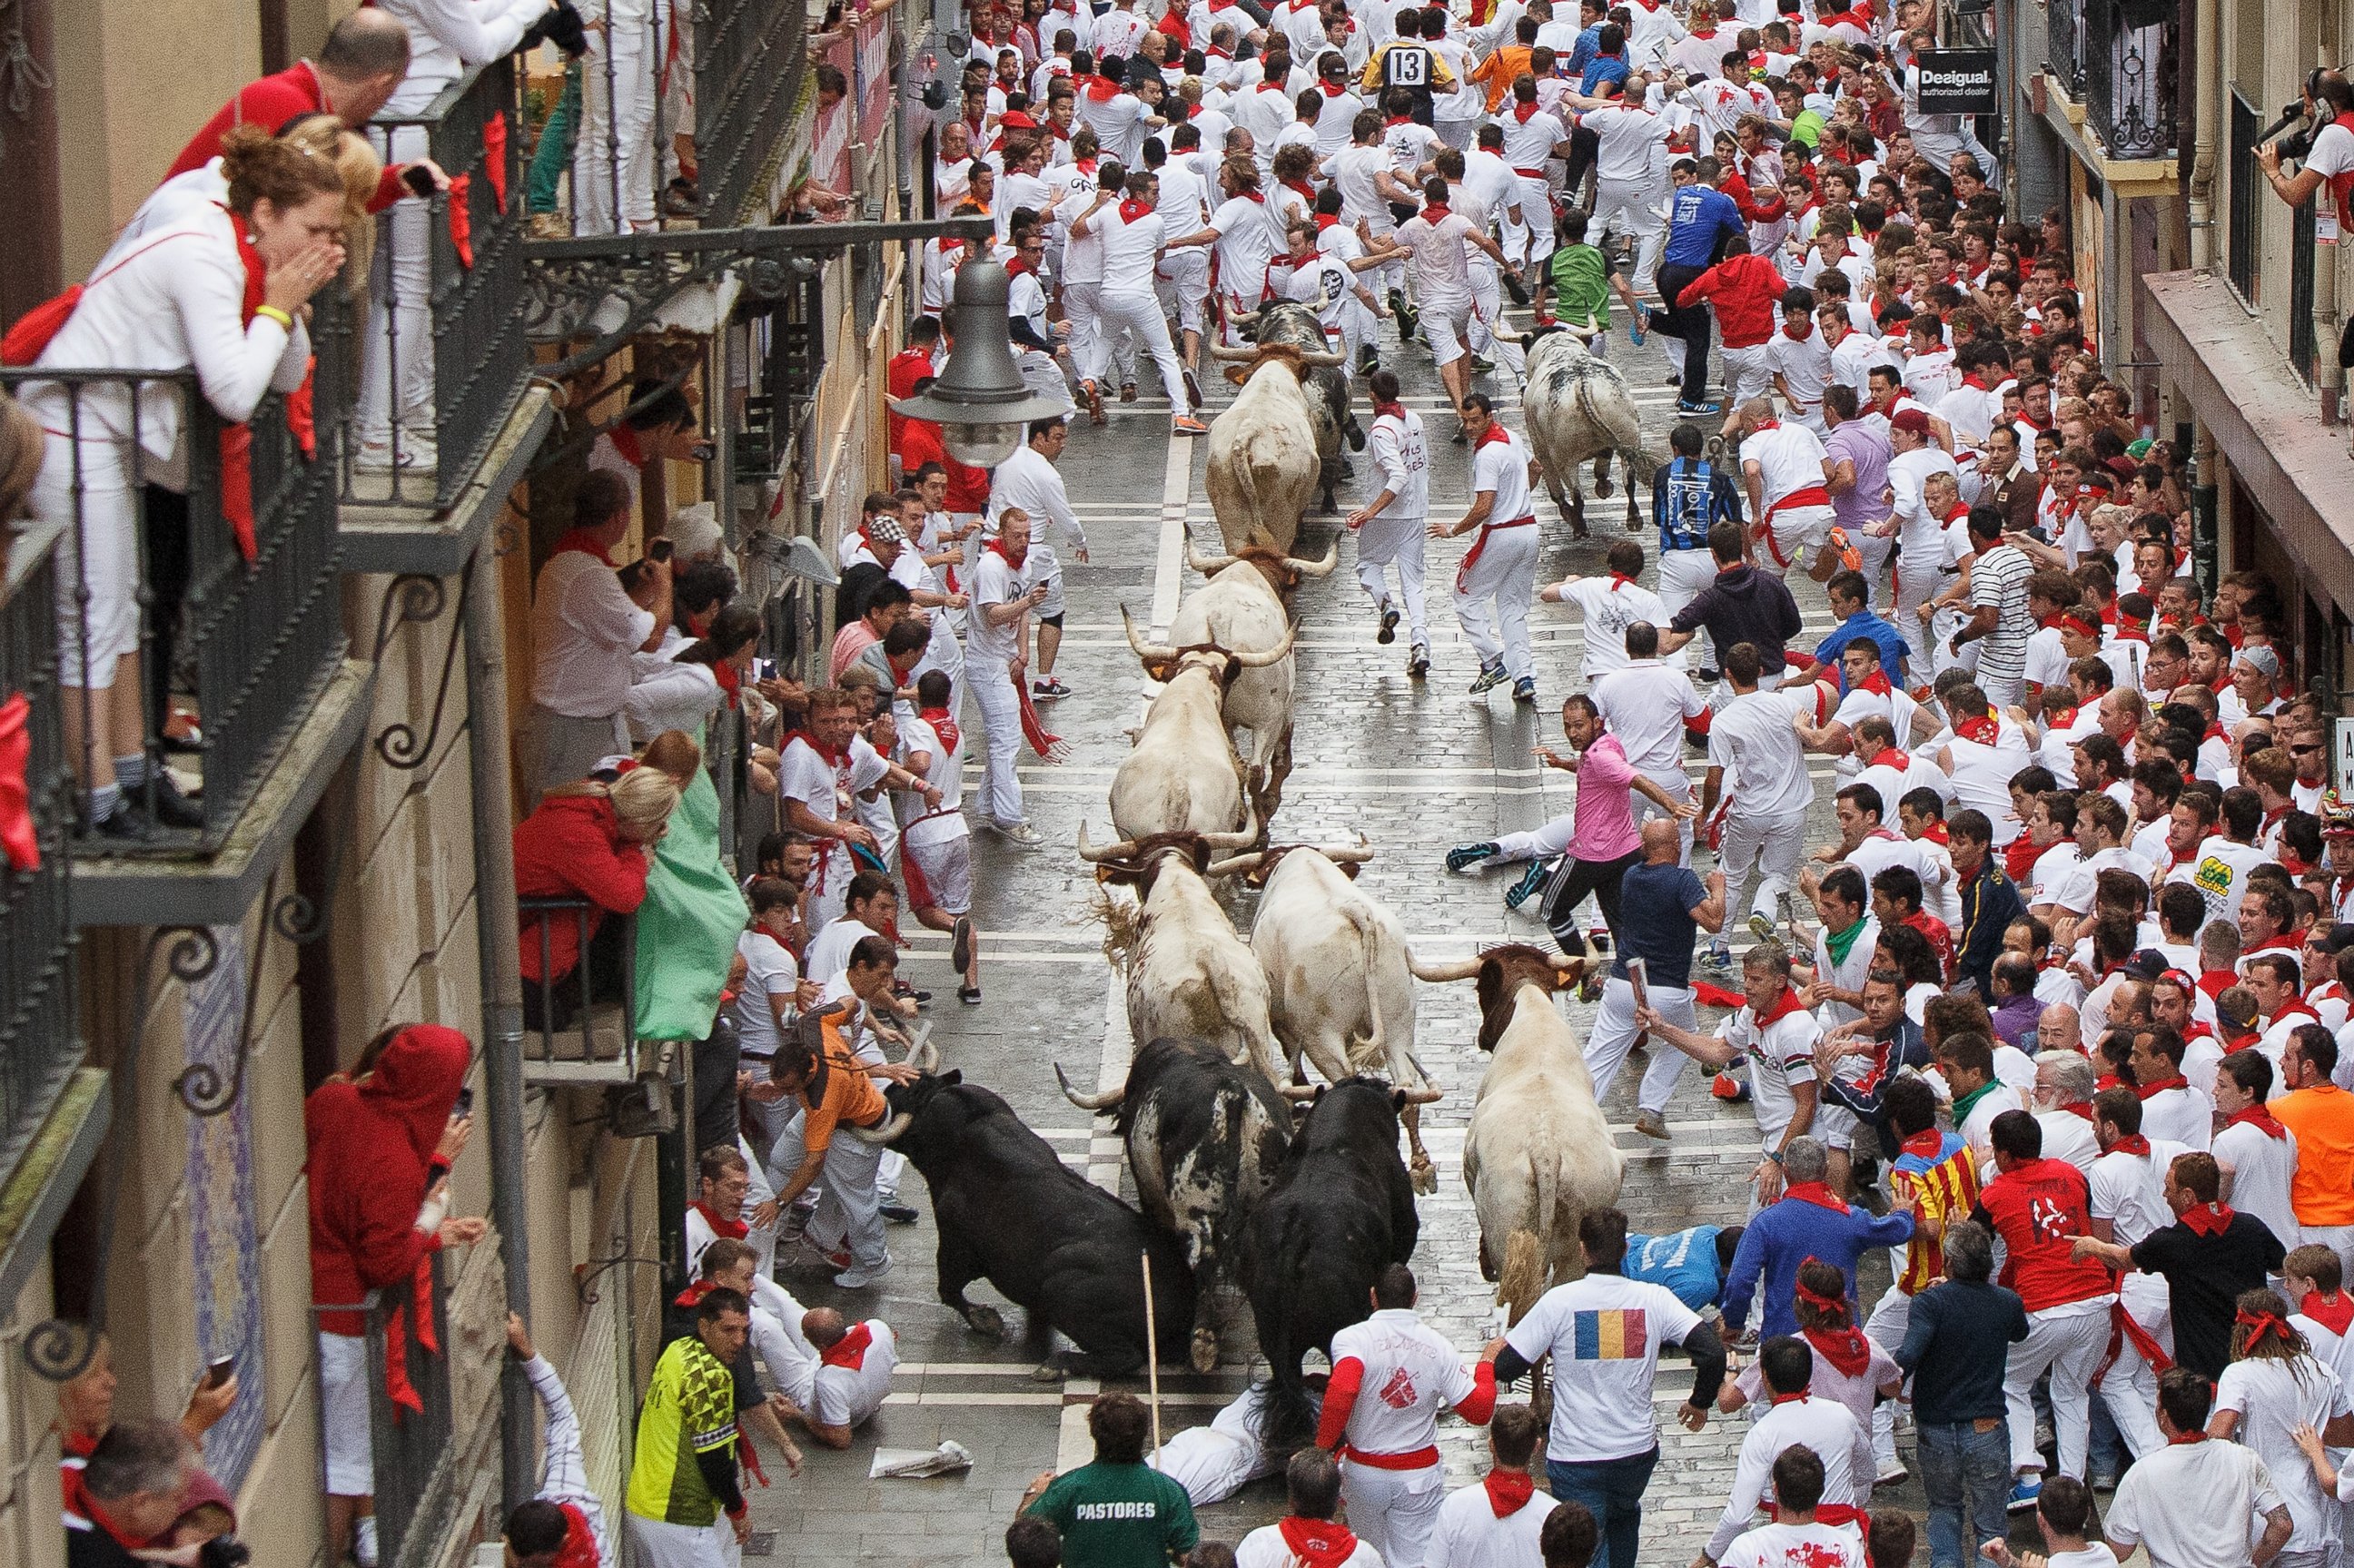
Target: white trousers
(1491,600)
(1536,217)
(659,1545)
(397,359)
(1486,310)
(1613,1038)
(1677,784)
(1187,277)
(1140,315)
(1543,843)
(101,557)
(1095,352)
(1745,373)
(1682,574)
(1790,531)
(1630,207)
(1916,584)
(1391,540)
(1001,717)
(1760,860)
(343,1398)
(2069,1348)
(1885,1327)
(1394,1512)
(850,1206)
(617,125)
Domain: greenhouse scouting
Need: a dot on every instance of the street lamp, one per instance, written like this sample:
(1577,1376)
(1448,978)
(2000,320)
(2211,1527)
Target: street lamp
(980,401)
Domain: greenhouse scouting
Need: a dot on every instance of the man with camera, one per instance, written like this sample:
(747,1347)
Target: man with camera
(2327,152)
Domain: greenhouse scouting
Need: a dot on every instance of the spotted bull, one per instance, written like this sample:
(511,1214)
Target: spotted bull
(1576,408)
(1204,1138)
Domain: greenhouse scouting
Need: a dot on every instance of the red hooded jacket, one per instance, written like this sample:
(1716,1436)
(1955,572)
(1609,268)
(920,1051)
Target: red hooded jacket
(1747,293)
(572,846)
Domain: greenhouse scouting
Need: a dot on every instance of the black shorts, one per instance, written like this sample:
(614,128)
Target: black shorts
(1053,620)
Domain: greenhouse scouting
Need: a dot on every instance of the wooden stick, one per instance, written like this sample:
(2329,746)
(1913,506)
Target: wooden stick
(1153,1353)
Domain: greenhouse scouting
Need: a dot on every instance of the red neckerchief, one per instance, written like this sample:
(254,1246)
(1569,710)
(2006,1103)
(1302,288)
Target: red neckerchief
(584,541)
(1319,1542)
(697,1289)
(1798,1398)
(1494,432)
(2260,1119)
(1619,580)
(850,1350)
(1390,411)
(1801,332)
(1394,121)
(1767,425)
(625,442)
(1330,89)
(1436,213)
(1936,832)
(1783,1005)
(1101,88)
(1130,209)
(1876,683)
(1846,1349)
(730,682)
(2183,1439)
(942,725)
(2064,719)
(1307,192)
(1816,1192)
(1523,113)
(1259,196)
(1325,220)
(2079,1107)
(2207,1219)
(1020,267)
(1982,730)
(2132,1143)
(1509,1491)
(2159,1086)
(719,1226)
(2335,1315)
(1960,511)
(996,547)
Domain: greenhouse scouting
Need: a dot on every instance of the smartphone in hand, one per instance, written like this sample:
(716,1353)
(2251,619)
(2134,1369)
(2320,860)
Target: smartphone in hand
(419,181)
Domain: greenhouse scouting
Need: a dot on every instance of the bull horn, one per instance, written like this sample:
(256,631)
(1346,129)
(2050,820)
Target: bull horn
(1357,854)
(1151,653)
(1219,351)
(1566,971)
(1266,656)
(1235,865)
(1296,1092)
(922,1054)
(1235,841)
(1120,851)
(1208,565)
(1429,1094)
(1314,358)
(884,1136)
(1098,1104)
(1322,568)
(1459,970)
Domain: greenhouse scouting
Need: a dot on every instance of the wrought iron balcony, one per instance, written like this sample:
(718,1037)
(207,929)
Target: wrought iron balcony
(579,1027)
(408,1447)
(256,633)
(2064,59)
(442,356)
(2124,77)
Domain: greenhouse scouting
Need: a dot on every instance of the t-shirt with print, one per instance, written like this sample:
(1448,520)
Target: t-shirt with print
(690,1409)
(1604,1333)
(1118,1516)
(1796,1546)
(2272,1399)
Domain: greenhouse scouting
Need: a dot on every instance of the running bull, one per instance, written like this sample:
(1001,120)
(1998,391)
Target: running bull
(1538,1154)
(1204,1140)
(1340,1211)
(1182,775)
(1045,1237)
(1577,409)
(1267,450)
(1246,605)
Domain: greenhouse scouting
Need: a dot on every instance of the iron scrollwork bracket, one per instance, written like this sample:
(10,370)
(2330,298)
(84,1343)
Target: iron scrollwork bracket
(420,599)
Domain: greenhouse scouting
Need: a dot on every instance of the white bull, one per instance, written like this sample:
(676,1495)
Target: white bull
(1577,409)
(1264,458)
(1183,775)
(1188,972)
(1246,605)
(1337,978)
(1538,1154)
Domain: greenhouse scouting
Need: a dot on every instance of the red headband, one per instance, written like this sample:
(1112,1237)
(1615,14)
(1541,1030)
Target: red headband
(2261,1323)
(1816,1299)
(2080,626)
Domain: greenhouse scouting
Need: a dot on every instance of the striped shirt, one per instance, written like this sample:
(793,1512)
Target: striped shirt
(1998,578)
(1933,1173)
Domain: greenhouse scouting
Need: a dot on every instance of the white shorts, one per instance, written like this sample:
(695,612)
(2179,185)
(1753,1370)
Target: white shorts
(344,1415)
(1446,328)
(1790,530)
(1835,1125)
(1041,566)
(945,868)
(663,1545)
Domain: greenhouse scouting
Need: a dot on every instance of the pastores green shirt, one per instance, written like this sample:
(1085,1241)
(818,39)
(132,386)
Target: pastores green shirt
(1118,1516)
(1581,285)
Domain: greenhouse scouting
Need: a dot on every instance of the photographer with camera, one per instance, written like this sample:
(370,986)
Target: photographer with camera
(2326,151)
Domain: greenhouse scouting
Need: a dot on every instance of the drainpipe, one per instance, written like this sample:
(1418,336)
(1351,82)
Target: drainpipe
(494,926)
(2328,376)
(2206,51)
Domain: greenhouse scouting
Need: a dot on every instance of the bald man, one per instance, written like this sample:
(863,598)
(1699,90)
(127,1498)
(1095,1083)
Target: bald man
(1661,907)
(853,1375)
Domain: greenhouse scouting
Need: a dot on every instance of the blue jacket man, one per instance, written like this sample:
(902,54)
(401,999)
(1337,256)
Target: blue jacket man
(1700,219)
(1807,1222)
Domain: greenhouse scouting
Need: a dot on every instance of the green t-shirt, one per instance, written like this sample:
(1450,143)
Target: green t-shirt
(1581,285)
(690,1409)
(1118,1516)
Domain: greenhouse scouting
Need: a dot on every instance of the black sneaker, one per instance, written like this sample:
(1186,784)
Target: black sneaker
(1388,632)
(169,808)
(961,943)
(1518,290)
(897,1214)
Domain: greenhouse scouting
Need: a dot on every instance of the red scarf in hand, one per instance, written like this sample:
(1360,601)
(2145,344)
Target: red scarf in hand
(736,1229)
(1319,1542)
(1509,1491)
(850,1350)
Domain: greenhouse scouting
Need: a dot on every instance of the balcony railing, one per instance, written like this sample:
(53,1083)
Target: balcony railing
(2130,75)
(247,641)
(406,1446)
(39,1045)
(581,1027)
(444,353)
(750,61)
(2064,44)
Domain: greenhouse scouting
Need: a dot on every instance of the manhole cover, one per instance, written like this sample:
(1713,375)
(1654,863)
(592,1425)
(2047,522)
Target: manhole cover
(763,1543)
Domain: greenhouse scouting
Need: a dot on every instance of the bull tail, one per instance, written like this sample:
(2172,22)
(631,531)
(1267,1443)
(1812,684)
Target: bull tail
(1377,1041)
(1626,433)
(1522,1280)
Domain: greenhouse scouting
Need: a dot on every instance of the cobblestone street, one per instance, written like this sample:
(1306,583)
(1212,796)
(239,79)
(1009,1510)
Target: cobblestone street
(1412,768)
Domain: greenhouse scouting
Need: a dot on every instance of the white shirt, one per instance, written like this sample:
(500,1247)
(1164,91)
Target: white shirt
(2261,1167)
(1402,457)
(1604,1334)
(846,1396)
(1441,263)
(1610,606)
(1766,767)
(1825,1425)
(1646,703)
(1789,459)
(1796,1546)
(1214,1462)
(1529,142)
(1247,241)
(445,36)
(1266,1548)
(1468,1534)
(1410,1374)
(584,630)
(1117,123)
(828,951)
(994,582)
(2182,1116)
(2129,1190)
(2069,1137)
(1030,480)
(1919,529)
(768,971)
(1781,1054)
(1629,138)
(1502,467)
(925,825)
(2272,1399)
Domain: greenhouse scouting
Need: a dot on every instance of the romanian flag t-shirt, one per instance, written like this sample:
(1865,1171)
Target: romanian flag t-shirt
(1604,1334)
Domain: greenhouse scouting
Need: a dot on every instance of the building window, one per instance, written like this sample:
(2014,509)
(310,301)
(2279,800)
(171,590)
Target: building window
(2247,184)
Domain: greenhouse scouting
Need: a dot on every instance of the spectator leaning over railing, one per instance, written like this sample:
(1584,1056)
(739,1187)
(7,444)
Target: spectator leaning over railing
(133,1486)
(586,840)
(563,1526)
(209,276)
(382,1140)
(585,627)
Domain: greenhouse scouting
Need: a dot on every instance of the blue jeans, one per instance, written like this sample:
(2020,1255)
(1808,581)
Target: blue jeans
(1967,1474)
(1612,1492)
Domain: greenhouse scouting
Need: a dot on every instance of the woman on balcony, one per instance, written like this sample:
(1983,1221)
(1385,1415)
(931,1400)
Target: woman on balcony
(587,841)
(214,275)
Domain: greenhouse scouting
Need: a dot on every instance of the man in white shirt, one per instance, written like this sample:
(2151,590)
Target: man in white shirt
(997,663)
(1786,474)
(1757,770)
(2191,1502)
(1245,234)
(853,1373)
(1030,481)
(1497,578)
(1116,115)
(1610,604)
(1310,1530)
(1214,1462)
(1803,1535)
(935,842)
(1533,137)
(1439,244)
(769,998)
(1602,1334)
(585,626)
(1918,531)
(822,769)
(1824,1430)
(2254,1153)
(2129,1204)
(1499,1523)
(1133,236)
(1389,527)
(1630,177)
(1647,704)
(1392,1376)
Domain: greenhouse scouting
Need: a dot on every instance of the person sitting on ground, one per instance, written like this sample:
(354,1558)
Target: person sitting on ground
(853,1373)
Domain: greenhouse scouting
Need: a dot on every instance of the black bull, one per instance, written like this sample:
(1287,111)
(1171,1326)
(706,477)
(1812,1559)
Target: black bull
(1045,1237)
(1326,386)
(1340,1212)
(1204,1138)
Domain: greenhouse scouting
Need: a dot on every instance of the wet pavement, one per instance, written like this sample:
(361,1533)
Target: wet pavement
(1412,768)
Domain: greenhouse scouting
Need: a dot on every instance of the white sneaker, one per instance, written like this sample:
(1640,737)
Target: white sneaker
(860,1278)
(1021,834)
(416,456)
